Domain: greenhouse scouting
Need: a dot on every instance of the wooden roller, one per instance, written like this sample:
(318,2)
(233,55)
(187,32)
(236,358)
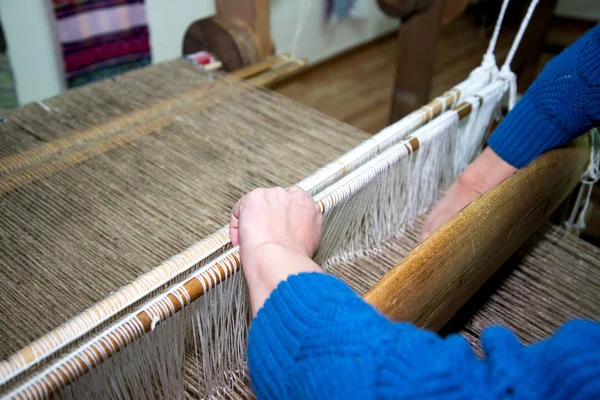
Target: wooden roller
(238,34)
(431,284)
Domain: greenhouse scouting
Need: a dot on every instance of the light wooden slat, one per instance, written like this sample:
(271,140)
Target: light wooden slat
(274,75)
(430,285)
(254,69)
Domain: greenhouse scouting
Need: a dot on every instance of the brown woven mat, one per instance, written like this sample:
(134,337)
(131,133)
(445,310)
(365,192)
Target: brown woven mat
(121,175)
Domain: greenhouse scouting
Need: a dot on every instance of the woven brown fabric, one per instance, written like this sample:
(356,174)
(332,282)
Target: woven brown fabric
(121,175)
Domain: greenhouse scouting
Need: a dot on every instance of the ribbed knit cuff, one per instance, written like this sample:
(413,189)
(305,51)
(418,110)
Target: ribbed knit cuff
(525,133)
(276,332)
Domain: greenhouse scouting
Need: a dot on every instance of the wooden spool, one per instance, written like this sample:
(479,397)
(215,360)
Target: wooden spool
(233,45)
(238,35)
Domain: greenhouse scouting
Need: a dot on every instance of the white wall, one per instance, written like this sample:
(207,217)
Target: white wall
(37,62)
(320,39)
(579,9)
(33,49)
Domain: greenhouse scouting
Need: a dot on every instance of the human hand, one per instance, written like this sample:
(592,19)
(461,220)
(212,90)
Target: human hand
(278,232)
(487,171)
(288,218)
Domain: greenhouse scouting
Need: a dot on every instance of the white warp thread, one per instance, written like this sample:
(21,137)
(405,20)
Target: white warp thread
(589,178)
(378,200)
(505,72)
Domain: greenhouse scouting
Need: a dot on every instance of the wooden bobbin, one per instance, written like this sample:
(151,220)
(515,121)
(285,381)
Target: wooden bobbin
(238,35)
(233,45)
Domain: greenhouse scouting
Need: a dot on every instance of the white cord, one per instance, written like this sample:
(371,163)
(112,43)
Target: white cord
(44,106)
(488,66)
(520,33)
(489,59)
(303,13)
(505,72)
(589,178)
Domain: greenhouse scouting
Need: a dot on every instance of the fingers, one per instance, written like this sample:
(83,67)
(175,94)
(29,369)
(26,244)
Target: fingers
(234,223)
(424,234)
(305,196)
(263,204)
(318,209)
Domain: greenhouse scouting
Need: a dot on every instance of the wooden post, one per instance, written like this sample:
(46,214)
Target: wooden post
(431,284)
(417,38)
(253,15)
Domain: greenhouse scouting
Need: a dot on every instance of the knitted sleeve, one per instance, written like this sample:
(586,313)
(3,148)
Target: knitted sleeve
(563,103)
(315,338)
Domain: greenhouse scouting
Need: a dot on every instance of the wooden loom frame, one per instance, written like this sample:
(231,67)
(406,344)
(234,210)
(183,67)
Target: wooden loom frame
(424,289)
(416,290)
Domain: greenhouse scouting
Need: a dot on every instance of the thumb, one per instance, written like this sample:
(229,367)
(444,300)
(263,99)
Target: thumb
(234,223)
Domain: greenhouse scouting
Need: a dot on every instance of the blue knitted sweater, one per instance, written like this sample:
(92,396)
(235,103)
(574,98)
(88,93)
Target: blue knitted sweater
(315,338)
(563,103)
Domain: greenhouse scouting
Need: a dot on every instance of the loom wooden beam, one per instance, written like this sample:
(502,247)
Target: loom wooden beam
(431,284)
(271,71)
(239,34)
(417,38)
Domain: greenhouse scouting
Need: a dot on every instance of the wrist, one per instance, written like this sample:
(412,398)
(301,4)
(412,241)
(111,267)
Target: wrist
(267,264)
(487,171)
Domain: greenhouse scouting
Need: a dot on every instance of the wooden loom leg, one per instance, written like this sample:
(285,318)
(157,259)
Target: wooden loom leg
(431,284)
(417,38)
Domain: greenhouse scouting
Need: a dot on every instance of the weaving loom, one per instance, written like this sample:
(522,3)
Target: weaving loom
(119,176)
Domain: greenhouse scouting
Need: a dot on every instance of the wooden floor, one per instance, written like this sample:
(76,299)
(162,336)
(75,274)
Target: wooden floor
(356,87)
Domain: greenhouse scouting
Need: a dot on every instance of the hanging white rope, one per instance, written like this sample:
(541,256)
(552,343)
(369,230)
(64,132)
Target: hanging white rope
(488,66)
(505,72)
(303,13)
(520,33)
(589,178)
(489,58)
